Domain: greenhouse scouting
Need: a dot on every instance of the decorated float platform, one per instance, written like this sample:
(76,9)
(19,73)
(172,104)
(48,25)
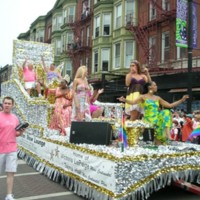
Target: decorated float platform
(99,172)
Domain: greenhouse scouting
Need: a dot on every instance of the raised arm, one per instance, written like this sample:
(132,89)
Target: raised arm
(95,97)
(128,79)
(44,65)
(24,64)
(146,73)
(174,104)
(138,100)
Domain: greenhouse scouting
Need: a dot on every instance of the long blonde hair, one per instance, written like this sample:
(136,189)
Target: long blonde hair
(80,71)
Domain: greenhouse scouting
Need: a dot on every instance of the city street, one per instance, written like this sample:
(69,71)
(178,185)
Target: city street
(30,185)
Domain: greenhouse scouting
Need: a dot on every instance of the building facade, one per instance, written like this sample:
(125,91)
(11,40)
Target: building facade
(106,35)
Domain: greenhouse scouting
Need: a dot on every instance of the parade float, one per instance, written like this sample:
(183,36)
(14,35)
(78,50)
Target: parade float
(95,172)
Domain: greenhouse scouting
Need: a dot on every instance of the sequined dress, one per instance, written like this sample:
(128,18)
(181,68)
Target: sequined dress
(82,98)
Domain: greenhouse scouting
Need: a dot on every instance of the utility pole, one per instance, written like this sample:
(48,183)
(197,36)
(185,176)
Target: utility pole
(190,48)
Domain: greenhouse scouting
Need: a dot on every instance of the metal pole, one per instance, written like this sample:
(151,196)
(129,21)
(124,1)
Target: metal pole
(190,48)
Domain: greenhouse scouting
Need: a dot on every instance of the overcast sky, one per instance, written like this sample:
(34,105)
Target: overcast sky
(16,17)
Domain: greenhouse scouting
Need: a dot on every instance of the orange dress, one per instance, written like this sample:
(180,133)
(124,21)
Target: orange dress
(61,118)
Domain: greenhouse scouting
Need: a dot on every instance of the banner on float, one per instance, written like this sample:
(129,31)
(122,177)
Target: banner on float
(181,23)
(194,26)
(94,169)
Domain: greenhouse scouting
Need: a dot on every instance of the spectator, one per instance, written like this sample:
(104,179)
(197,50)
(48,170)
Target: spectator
(8,144)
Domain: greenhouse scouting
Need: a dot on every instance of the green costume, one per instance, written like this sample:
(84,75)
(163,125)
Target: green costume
(158,119)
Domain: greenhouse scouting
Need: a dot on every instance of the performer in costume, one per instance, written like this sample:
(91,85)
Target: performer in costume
(135,81)
(96,111)
(61,118)
(161,120)
(81,99)
(51,72)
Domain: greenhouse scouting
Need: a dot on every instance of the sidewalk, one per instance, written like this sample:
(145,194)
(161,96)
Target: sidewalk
(30,185)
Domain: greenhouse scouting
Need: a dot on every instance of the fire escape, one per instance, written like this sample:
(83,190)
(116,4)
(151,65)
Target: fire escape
(140,29)
(80,50)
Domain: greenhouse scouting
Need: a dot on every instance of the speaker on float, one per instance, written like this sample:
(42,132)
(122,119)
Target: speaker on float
(148,135)
(99,133)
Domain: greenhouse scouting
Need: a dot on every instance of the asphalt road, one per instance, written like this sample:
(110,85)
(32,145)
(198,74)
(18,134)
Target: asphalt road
(31,185)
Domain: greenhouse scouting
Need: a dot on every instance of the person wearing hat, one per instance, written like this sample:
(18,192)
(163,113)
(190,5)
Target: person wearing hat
(61,118)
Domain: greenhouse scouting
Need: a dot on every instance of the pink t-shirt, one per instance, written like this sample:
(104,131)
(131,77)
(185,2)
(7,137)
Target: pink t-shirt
(8,122)
(29,75)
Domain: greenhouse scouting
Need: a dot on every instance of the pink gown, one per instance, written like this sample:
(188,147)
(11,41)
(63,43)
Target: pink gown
(61,118)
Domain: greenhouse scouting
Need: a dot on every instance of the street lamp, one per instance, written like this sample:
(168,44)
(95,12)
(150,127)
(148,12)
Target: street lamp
(190,48)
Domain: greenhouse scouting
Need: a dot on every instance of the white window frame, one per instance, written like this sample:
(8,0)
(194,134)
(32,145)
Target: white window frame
(106,24)
(129,11)
(96,63)
(128,58)
(152,11)
(152,48)
(70,14)
(96,26)
(116,57)
(69,40)
(165,47)
(166,5)
(88,36)
(58,47)
(180,54)
(105,57)
(69,67)
(118,16)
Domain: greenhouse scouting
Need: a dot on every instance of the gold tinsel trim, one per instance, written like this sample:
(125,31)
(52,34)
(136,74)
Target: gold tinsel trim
(138,158)
(131,189)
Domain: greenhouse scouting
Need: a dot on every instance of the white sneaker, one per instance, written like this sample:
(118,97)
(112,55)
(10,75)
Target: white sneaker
(9,197)
(40,95)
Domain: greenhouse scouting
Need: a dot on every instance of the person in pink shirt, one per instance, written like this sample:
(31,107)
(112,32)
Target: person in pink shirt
(8,144)
(30,78)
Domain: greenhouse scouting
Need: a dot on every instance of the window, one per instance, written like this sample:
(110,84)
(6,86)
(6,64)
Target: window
(49,33)
(58,47)
(106,24)
(82,37)
(57,22)
(63,38)
(152,48)
(105,57)
(166,5)
(96,61)
(71,14)
(129,12)
(181,52)
(70,40)
(128,53)
(69,68)
(88,36)
(40,36)
(152,10)
(165,46)
(117,56)
(96,26)
(118,16)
